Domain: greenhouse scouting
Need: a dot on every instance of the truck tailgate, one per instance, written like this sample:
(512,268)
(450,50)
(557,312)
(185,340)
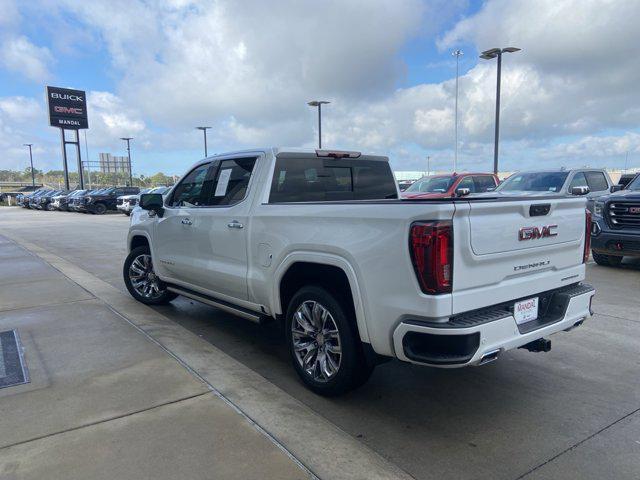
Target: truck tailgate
(509,249)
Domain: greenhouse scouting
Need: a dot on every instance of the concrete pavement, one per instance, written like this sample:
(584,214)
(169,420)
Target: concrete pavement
(104,401)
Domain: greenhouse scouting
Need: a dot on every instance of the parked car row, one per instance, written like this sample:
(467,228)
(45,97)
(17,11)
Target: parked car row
(96,201)
(584,181)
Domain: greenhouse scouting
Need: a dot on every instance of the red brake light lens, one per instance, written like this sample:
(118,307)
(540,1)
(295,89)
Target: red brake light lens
(431,247)
(587,236)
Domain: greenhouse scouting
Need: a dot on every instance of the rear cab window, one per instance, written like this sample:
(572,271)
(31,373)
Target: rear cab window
(315,179)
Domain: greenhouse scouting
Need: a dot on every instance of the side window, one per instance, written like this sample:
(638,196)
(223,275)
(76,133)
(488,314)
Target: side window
(231,181)
(578,180)
(483,183)
(189,191)
(597,181)
(467,182)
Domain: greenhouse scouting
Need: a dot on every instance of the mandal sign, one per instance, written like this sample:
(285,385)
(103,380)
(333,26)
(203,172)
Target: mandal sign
(67,108)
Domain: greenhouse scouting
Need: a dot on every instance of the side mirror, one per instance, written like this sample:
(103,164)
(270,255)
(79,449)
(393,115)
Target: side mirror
(462,192)
(579,190)
(152,202)
(615,188)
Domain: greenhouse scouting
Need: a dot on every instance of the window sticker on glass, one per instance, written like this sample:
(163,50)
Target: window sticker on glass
(223,182)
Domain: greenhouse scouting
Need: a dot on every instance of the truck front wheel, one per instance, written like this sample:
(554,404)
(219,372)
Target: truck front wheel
(606,260)
(141,280)
(324,344)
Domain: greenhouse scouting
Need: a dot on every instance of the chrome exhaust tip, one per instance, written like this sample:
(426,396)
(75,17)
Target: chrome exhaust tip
(489,357)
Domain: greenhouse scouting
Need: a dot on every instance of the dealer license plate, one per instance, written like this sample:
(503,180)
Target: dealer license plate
(525,310)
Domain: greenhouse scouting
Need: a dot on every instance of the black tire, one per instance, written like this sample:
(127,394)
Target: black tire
(606,260)
(164,295)
(353,369)
(99,208)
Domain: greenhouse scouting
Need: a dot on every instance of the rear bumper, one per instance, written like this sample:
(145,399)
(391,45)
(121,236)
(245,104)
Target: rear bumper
(472,338)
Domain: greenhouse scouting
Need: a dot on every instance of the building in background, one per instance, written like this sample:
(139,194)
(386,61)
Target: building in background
(113,164)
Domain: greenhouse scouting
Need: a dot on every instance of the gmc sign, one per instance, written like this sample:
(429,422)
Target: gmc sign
(535,233)
(67,108)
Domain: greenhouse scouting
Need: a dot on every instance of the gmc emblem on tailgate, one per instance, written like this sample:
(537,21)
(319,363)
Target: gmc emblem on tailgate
(534,233)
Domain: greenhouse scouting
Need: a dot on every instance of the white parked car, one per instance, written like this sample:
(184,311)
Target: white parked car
(126,203)
(321,241)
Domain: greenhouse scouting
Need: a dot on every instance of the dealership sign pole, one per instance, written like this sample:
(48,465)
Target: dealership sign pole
(68,111)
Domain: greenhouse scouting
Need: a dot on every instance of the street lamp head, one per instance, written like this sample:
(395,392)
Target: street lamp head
(27,144)
(317,103)
(126,138)
(491,53)
(494,52)
(203,128)
(457,53)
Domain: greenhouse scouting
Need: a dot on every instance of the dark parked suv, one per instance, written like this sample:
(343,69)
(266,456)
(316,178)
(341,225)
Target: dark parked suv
(103,200)
(615,231)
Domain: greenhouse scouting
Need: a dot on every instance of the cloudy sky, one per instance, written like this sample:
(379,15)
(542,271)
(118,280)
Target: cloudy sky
(155,69)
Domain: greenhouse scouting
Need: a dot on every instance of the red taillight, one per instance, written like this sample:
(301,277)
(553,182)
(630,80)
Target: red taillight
(587,237)
(431,245)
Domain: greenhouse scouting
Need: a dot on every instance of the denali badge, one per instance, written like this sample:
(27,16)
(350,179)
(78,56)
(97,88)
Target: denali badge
(542,263)
(534,233)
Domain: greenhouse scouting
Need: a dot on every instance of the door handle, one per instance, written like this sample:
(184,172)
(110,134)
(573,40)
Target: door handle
(235,224)
(186,221)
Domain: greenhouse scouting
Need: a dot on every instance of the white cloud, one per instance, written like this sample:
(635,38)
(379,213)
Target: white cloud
(592,147)
(254,61)
(19,55)
(20,118)
(248,68)
(110,118)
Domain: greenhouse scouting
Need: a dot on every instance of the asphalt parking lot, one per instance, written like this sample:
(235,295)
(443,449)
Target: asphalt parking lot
(571,413)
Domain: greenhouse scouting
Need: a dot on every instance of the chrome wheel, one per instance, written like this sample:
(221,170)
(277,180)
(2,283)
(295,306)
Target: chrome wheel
(316,341)
(143,279)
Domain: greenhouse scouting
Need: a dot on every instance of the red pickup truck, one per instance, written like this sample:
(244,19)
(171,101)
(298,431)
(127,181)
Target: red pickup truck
(449,185)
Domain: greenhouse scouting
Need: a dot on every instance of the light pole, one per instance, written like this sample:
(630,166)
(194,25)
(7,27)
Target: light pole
(33,177)
(128,139)
(488,55)
(204,130)
(457,54)
(626,161)
(318,103)
(428,165)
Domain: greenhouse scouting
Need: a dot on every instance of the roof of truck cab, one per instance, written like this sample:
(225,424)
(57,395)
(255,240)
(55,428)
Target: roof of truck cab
(292,150)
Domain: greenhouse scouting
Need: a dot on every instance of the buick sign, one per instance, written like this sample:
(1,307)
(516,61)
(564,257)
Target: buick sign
(67,108)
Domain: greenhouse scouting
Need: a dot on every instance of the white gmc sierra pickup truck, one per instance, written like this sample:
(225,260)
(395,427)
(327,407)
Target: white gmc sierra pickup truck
(321,240)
